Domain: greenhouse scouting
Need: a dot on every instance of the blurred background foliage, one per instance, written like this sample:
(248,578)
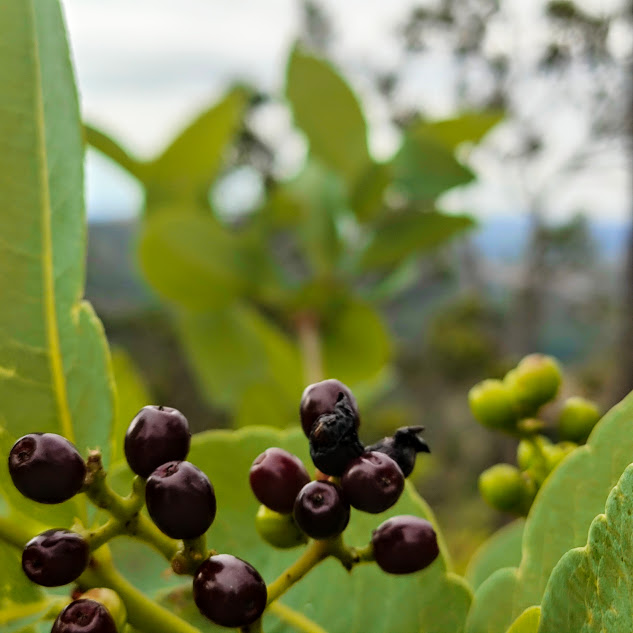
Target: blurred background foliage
(353,268)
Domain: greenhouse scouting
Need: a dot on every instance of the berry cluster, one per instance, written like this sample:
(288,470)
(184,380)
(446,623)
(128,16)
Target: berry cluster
(349,475)
(514,406)
(181,503)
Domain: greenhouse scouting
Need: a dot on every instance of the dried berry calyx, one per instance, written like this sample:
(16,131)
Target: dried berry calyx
(46,467)
(321,398)
(334,441)
(180,500)
(55,557)
(276,477)
(321,510)
(156,435)
(403,447)
(229,591)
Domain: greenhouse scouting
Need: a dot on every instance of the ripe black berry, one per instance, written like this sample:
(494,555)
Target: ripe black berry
(55,557)
(156,435)
(334,442)
(403,447)
(229,591)
(404,544)
(84,616)
(321,511)
(181,500)
(320,398)
(372,482)
(46,467)
(276,478)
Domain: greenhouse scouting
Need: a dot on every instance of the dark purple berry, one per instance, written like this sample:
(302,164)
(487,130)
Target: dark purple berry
(46,467)
(321,398)
(372,482)
(156,435)
(404,544)
(181,500)
(334,441)
(84,616)
(276,478)
(321,511)
(403,447)
(55,557)
(229,591)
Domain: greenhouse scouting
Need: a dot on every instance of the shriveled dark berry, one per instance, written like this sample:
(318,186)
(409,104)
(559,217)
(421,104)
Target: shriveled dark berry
(55,557)
(156,435)
(181,500)
(276,478)
(403,447)
(46,467)
(404,544)
(84,616)
(321,511)
(321,398)
(229,591)
(372,482)
(334,441)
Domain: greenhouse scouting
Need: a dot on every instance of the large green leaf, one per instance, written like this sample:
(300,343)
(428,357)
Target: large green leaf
(502,549)
(433,600)
(54,364)
(367,198)
(237,353)
(403,234)
(327,111)
(132,395)
(590,588)
(469,126)
(558,521)
(186,168)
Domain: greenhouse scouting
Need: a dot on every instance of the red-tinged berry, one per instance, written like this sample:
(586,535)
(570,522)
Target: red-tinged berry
(372,482)
(229,591)
(181,500)
(276,477)
(46,467)
(403,447)
(55,557)
(321,398)
(321,511)
(404,544)
(334,441)
(84,616)
(156,435)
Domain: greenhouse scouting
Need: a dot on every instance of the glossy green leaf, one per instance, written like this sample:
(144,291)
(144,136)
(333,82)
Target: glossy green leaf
(234,350)
(408,233)
(559,520)
(188,166)
(356,343)
(502,549)
(470,127)
(424,167)
(367,198)
(132,395)
(590,587)
(21,601)
(431,601)
(111,148)
(328,112)
(528,621)
(54,364)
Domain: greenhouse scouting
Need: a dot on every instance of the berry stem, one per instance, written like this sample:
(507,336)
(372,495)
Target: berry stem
(295,619)
(143,529)
(100,536)
(192,554)
(310,346)
(14,533)
(101,494)
(255,627)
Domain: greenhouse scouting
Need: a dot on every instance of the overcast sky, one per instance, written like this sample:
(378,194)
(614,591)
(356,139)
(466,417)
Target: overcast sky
(146,67)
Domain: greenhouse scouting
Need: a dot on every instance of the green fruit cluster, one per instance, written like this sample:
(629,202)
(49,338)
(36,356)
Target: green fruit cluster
(512,406)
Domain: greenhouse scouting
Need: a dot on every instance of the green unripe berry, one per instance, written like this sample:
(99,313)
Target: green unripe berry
(504,488)
(577,419)
(278,530)
(557,452)
(491,404)
(534,382)
(526,454)
(111,601)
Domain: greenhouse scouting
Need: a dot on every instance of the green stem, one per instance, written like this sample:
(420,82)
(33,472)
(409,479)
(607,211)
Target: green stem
(295,619)
(144,530)
(310,346)
(143,614)
(255,627)
(103,534)
(192,554)
(13,533)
